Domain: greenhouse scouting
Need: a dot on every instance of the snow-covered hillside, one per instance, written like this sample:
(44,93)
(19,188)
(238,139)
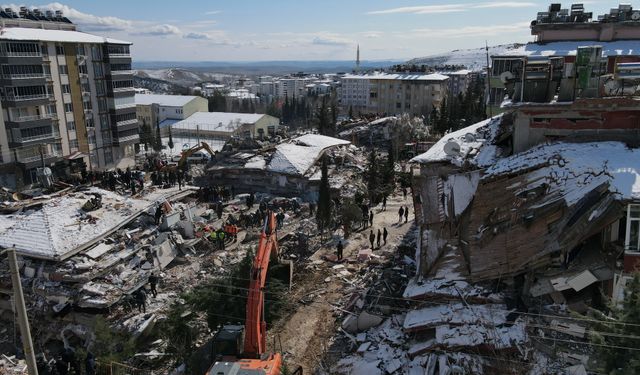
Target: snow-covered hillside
(181,76)
(474,59)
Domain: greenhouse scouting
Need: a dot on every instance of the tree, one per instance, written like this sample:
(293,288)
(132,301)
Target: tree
(323,118)
(323,214)
(170,144)
(373,177)
(350,213)
(146,136)
(157,144)
(333,125)
(388,173)
(621,328)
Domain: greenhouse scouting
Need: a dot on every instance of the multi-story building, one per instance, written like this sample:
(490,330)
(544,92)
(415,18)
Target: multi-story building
(394,93)
(560,34)
(66,96)
(153,109)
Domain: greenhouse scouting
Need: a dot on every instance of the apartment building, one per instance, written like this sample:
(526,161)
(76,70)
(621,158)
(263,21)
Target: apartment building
(152,109)
(66,96)
(387,93)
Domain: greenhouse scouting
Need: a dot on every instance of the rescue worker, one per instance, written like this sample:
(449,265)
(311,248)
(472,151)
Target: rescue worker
(153,282)
(384,235)
(400,214)
(378,238)
(339,249)
(221,236)
(372,238)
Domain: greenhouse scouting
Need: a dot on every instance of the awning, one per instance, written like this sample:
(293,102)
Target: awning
(75,155)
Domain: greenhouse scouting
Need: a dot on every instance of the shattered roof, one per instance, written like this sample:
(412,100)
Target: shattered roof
(301,154)
(472,138)
(57,228)
(574,169)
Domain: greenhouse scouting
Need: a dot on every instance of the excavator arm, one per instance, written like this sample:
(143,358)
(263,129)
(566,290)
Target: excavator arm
(193,150)
(255,325)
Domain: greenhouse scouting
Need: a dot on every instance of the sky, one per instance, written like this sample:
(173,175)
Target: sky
(267,30)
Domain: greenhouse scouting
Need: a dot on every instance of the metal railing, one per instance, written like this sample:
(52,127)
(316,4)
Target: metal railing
(26,75)
(114,54)
(123,89)
(19,54)
(18,98)
(126,122)
(51,116)
(125,106)
(31,159)
(39,137)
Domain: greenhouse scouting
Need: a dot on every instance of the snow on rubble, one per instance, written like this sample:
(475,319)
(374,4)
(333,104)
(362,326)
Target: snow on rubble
(297,157)
(473,142)
(574,169)
(61,225)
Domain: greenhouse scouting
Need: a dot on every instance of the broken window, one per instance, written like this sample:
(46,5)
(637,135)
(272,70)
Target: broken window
(632,238)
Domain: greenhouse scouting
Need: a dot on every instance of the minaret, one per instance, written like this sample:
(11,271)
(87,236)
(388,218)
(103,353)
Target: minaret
(358,58)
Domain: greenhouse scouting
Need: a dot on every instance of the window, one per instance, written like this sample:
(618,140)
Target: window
(63,69)
(398,105)
(632,236)
(38,132)
(97,70)
(68,107)
(81,50)
(90,123)
(71,125)
(83,69)
(87,105)
(23,49)
(73,145)
(86,87)
(66,89)
(51,109)
(59,50)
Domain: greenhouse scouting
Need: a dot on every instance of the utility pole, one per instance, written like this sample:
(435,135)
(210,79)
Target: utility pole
(23,320)
(488,98)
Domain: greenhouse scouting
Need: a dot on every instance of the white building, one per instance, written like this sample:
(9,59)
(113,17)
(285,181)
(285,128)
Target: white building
(224,125)
(155,108)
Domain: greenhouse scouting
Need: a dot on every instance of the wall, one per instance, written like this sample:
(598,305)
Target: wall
(196,105)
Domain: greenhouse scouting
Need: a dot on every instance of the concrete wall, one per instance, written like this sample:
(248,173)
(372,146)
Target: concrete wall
(196,105)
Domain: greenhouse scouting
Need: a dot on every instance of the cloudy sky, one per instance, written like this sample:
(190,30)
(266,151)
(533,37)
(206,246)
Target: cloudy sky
(260,30)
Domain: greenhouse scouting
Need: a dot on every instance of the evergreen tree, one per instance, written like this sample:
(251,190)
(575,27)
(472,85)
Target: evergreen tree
(146,136)
(333,125)
(157,144)
(170,144)
(373,177)
(388,174)
(623,326)
(323,213)
(323,118)
(443,117)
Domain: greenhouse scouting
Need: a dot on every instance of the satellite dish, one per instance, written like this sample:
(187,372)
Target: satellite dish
(469,137)
(635,16)
(505,77)
(452,148)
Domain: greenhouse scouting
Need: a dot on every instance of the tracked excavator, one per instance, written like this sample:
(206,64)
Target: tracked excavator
(249,356)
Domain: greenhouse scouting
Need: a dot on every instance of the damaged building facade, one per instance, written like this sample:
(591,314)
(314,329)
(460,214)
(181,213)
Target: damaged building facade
(543,199)
(289,169)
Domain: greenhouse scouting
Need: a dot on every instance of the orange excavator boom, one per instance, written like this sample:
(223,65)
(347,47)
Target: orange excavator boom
(255,325)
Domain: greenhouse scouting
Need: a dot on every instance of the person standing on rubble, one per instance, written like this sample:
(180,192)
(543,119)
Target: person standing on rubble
(141,300)
(371,218)
(153,282)
(339,249)
(372,238)
(158,214)
(404,193)
(132,184)
(221,236)
(312,207)
(406,214)
(378,237)
(219,209)
(384,235)
(179,177)
(213,237)
(90,364)
(400,214)
(384,202)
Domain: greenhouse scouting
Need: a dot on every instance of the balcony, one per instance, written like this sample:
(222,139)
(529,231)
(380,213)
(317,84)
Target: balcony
(125,106)
(121,72)
(23,119)
(36,159)
(119,54)
(127,122)
(23,54)
(40,137)
(123,89)
(25,76)
(26,100)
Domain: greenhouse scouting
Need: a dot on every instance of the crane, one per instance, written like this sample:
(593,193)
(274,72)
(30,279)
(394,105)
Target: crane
(253,359)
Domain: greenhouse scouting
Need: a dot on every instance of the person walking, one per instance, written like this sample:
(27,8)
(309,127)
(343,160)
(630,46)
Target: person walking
(404,193)
(371,218)
(378,238)
(339,249)
(384,203)
(221,236)
(158,214)
(372,238)
(406,214)
(153,282)
(400,214)
(141,300)
(385,233)
(179,176)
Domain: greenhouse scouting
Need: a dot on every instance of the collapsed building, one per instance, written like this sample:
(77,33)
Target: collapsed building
(289,169)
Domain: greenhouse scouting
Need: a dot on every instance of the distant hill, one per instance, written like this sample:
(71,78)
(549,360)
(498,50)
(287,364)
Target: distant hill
(474,59)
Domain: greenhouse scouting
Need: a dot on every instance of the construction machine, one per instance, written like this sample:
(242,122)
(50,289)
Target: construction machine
(184,156)
(249,356)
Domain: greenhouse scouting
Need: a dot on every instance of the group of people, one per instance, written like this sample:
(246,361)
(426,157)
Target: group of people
(216,193)
(66,363)
(373,238)
(403,211)
(168,178)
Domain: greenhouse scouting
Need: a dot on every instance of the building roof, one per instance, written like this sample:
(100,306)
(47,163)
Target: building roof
(47,35)
(217,121)
(302,153)
(616,48)
(399,76)
(164,100)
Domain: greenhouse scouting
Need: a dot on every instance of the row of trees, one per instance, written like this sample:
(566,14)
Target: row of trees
(459,111)
(151,137)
